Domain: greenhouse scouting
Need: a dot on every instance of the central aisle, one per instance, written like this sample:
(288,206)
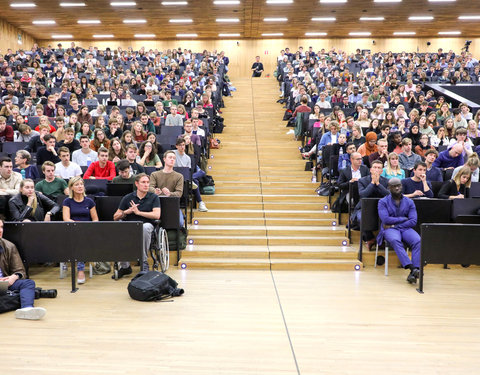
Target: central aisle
(265,213)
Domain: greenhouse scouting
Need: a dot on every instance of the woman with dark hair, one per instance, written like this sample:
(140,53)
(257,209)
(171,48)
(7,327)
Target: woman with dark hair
(99,140)
(84,116)
(116,152)
(423,146)
(126,139)
(29,205)
(148,155)
(414,134)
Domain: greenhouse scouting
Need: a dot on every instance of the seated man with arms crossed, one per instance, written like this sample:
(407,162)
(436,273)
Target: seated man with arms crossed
(417,186)
(166,182)
(51,186)
(66,169)
(140,205)
(399,216)
(12,270)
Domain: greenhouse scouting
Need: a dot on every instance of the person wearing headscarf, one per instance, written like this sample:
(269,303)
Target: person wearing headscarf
(370,145)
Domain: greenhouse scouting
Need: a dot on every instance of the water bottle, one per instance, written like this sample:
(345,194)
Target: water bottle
(89,161)
(340,152)
(314,178)
(22,172)
(344,164)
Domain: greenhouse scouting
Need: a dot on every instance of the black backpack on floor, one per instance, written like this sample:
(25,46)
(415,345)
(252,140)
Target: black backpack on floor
(153,286)
(9,301)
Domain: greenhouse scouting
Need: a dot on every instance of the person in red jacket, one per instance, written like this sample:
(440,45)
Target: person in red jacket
(101,169)
(6,131)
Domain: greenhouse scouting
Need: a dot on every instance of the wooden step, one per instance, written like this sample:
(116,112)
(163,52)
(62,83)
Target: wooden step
(269,214)
(311,198)
(262,240)
(250,230)
(265,264)
(263,221)
(268,205)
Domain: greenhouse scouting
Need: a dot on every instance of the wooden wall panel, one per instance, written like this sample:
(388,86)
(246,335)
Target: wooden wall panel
(242,52)
(9,37)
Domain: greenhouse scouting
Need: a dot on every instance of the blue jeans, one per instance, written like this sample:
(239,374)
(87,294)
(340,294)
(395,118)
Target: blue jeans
(26,287)
(199,173)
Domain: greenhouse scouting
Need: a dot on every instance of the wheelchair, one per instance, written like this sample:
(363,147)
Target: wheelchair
(159,249)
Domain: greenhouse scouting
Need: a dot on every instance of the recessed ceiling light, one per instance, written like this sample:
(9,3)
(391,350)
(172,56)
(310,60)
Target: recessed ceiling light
(466,18)
(315,34)
(144,35)
(421,18)
(387,1)
(272,34)
(324,19)
(187,35)
(229,35)
(332,1)
(62,36)
(135,21)
(226,2)
(181,20)
(174,2)
(227,20)
(44,22)
(449,32)
(275,19)
(372,18)
(103,36)
(88,22)
(22,5)
(279,1)
(360,33)
(123,3)
(72,4)
(404,33)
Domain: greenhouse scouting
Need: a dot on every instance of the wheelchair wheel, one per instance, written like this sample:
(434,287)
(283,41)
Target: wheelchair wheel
(163,250)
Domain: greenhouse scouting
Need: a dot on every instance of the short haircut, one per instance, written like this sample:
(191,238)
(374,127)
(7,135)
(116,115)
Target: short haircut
(48,137)
(461,130)
(123,164)
(3,119)
(63,149)
(23,128)
(84,137)
(70,130)
(44,126)
(139,176)
(48,163)
(168,152)
(419,164)
(431,151)
(456,111)
(24,154)
(129,110)
(131,146)
(406,141)
(102,149)
(59,118)
(179,141)
(376,162)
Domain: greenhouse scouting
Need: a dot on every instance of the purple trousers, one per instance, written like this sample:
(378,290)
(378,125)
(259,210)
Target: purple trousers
(396,238)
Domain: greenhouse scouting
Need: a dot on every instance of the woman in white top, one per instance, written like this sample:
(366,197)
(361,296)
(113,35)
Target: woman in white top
(400,112)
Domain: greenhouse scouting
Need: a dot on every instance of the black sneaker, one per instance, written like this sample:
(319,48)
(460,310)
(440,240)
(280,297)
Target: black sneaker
(122,272)
(413,276)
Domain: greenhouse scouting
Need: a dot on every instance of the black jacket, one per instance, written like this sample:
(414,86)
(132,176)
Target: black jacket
(346,176)
(19,210)
(449,188)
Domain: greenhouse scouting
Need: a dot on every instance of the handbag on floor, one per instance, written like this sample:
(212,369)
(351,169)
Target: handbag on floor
(153,286)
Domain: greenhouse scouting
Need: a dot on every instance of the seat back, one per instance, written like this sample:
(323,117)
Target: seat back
(107,206)
(369,220)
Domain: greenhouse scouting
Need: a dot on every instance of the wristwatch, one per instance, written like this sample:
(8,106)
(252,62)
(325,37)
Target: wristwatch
(20,276)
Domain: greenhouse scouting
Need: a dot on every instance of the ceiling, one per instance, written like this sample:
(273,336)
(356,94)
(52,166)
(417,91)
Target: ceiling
(250,13)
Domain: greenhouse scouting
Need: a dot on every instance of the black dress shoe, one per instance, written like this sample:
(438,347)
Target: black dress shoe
(413,276)
(122,272)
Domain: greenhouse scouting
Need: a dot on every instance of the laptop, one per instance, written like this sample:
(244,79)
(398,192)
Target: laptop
(3,287)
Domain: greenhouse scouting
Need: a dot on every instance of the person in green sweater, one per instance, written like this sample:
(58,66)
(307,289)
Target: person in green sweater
(51,186)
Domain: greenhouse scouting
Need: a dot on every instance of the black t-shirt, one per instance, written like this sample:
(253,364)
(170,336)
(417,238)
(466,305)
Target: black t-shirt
(147,204)
(72,146)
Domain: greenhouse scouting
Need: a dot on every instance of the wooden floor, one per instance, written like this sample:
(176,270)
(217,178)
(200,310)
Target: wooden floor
(234,322)
(267,321)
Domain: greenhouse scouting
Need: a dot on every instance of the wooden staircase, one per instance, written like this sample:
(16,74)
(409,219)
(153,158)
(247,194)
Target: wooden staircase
(265,213)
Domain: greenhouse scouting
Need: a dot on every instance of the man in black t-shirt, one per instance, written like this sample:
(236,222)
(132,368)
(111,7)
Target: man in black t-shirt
(140,205)
(257,67)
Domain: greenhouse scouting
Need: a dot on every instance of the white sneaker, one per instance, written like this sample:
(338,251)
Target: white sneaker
(194,186)
(291,131)
(30,313)
(202,207)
